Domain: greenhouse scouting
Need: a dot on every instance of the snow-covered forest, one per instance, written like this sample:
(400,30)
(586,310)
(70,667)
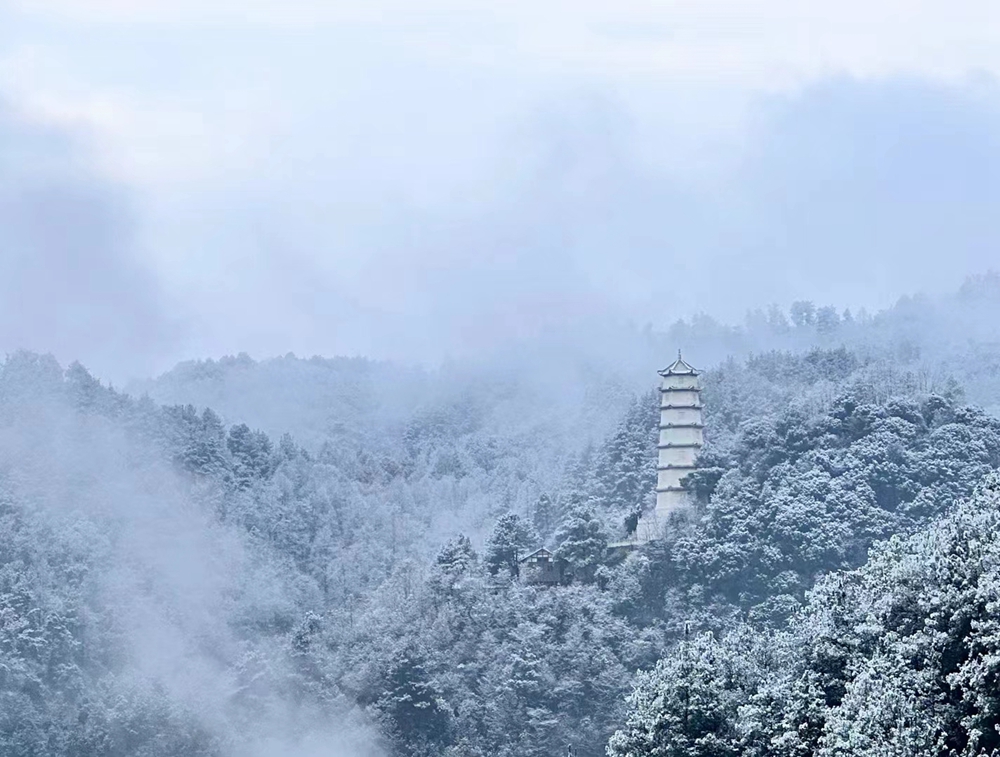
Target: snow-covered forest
(313,556)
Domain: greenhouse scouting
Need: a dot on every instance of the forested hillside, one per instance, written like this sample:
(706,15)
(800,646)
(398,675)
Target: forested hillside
(897,657)
(174,580)
(499,378)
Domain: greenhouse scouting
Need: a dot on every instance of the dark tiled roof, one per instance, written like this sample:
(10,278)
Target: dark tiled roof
(679,368)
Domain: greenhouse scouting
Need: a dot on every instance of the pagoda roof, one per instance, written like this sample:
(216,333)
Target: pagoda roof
(679,368)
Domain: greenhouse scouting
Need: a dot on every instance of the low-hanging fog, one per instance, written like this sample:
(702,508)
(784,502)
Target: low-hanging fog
(188,182)
(300,301)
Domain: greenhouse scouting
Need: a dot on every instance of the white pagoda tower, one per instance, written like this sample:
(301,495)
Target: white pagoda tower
(681,439)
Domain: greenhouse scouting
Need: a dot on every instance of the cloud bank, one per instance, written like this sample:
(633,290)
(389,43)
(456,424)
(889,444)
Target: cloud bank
(419,181)
(73,279)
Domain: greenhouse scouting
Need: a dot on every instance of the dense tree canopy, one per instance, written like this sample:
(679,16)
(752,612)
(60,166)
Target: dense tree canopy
(897,657)
(828,594)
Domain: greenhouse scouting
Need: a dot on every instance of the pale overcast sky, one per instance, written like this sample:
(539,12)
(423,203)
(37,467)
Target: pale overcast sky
(427,177)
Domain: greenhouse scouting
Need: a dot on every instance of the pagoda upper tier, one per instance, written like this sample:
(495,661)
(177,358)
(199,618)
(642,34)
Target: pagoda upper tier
(679,368)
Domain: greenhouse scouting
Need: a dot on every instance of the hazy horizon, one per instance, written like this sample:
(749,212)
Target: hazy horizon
(442,180)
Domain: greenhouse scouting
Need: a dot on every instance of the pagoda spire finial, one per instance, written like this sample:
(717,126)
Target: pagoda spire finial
(679,354)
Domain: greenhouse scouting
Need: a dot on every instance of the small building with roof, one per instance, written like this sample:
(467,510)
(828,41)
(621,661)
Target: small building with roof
(542,567)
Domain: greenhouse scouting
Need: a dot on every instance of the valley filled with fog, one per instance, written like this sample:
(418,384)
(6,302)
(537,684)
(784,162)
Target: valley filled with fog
(466,378)
(318,555)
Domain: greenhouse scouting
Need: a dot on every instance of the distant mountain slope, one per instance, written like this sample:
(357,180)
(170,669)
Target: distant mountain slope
(378,404)
(577,384)
(314,399)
